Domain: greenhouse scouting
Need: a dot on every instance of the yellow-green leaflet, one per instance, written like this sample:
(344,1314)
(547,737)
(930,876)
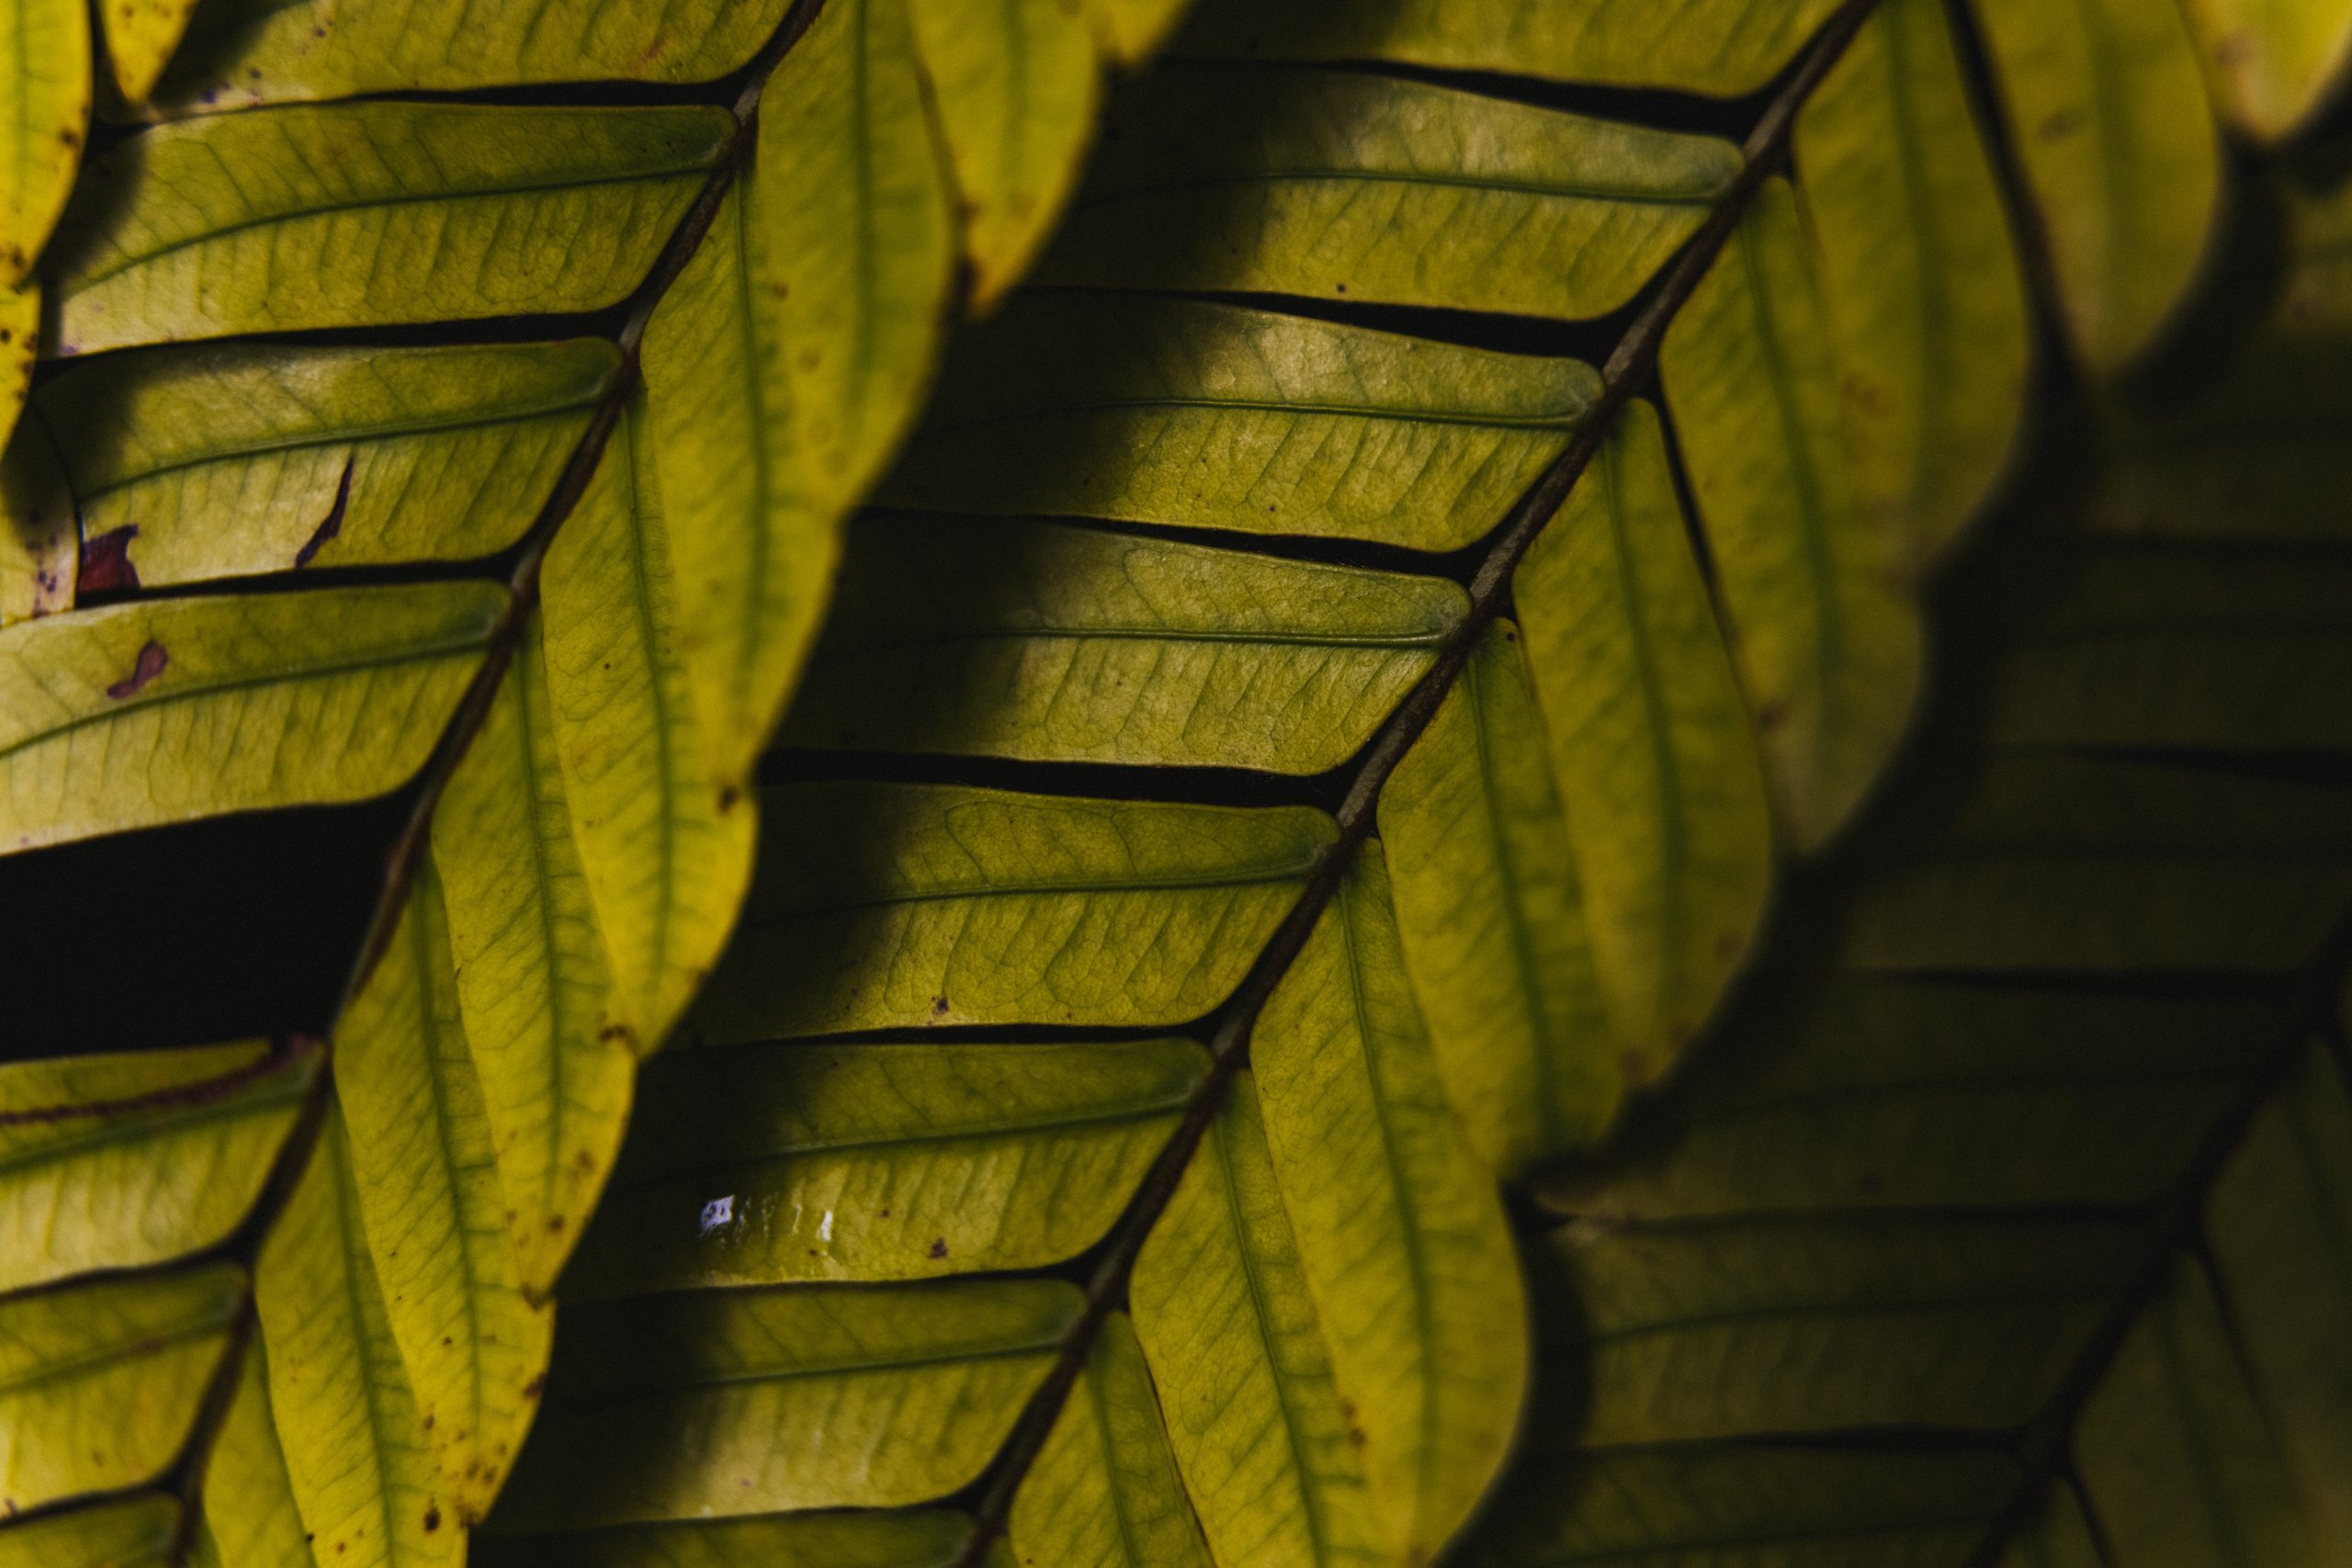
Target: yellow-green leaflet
(141,36)
(1827,647)
(1132,29)
(134,1533)
(1105,1490)
(1016,89)
(425,1174)
(1922,294)
(156,1179)
(1722,47)
(665,846)
(249,1519)
(1492,911)
(2110,117)
(756,1401)
(40,549)
(2193,474)
(1400,1235)
(533,980)
(161,710)
(251,51)
(782,368)
(1654,758)
(906,1540)
(19,342)
(358,1460)
(2271,63)
(190,464)
(752,1163)
(887,905)
(372,214)
(1209,415)
(1333,185)
(45,113)
(1241,1365)
(99,1381)
(1029,639)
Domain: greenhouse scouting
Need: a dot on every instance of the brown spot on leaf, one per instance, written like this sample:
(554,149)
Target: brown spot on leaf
(938,1248)
(151,660)
(431,1516)
(105,561)
(2062,125)
(939,1007)
(331,524)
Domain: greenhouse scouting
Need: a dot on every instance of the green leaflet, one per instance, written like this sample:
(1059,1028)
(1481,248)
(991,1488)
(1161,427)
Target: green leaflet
(879,1162)
(2278,1213)
(1401,1239)
(161,710)
(534,983)
(666,848)
(1784,1507)
(1492,911)
(141,36)
(2270,62)
(425,1171)
(1659,780)
(244,460)
(1016,89)
(99,1382)
(2118,144)
(249,1519)
(40,549)
(1724,47)
(1205,415)
(2257,458)
(1105,1490)
(134,1533)
(1589,896)
(1029,639)
(1921,296)
(370,214)
(1827,649)
(253,52)
(908,1540)
(1333,185)
(887,906)
(155,1179)
(785,364)
(358,1457)
(1132,29)
(753,1401)
(45,105)
(1242,1366)
(19,342)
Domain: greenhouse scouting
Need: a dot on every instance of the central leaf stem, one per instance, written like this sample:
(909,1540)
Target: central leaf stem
(1629,367)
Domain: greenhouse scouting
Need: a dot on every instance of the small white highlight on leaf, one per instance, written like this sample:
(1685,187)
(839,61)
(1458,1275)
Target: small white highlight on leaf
(716,1212)
(825,1226)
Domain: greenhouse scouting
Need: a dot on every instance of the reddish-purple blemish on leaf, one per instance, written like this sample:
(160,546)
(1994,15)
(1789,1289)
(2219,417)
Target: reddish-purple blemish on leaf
(105,561)
(151,659)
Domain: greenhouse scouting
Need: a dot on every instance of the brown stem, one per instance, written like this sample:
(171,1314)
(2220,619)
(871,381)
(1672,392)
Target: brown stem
(1629,364)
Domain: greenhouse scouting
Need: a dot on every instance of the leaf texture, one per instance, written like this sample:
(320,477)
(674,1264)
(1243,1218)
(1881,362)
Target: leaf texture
(2022,1191)
(993,1024)
(1638,710)
(416,298)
